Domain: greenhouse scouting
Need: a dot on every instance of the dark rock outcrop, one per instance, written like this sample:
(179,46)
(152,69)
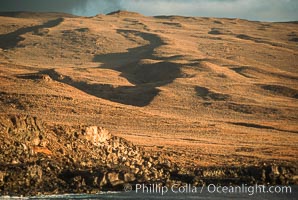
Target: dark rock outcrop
(37,159)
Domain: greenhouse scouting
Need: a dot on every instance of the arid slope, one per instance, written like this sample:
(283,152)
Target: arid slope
(207,91)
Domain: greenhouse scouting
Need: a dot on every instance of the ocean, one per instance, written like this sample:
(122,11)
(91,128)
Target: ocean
(170,195)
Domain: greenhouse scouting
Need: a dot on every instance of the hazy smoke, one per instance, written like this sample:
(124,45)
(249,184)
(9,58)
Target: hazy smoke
(94,7)
(83,7)
(273,10)
(42,5)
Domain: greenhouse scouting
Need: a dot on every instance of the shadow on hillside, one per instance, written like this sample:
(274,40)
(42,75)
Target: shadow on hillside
(144,77)
(115,60)
(11,40)
(139,95)
(251,125)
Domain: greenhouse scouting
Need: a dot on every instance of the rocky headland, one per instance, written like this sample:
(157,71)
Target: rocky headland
(39,159)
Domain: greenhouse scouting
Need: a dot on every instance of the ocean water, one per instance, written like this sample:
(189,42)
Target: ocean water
(170,195)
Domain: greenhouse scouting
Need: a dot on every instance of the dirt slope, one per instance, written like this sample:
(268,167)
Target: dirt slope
(206,91)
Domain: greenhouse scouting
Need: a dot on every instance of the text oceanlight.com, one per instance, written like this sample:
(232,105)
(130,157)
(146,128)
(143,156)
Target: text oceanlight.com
(212,189)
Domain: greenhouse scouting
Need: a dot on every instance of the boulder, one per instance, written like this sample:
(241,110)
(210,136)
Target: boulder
(35,173)
(114,180)
(96,135)
(35,141)
(129,177)
(2,175)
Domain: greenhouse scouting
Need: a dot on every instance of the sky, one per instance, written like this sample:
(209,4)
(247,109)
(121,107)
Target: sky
(261,10)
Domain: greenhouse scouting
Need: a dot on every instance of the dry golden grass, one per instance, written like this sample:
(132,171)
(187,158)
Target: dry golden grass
(205,91)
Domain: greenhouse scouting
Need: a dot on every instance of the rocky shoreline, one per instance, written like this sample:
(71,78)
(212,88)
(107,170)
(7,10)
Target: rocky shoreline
(37,159)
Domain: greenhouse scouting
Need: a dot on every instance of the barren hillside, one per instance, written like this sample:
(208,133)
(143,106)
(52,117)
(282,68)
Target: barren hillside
(205,91)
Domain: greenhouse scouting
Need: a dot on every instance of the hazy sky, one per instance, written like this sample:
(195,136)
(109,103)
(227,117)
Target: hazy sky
(263,10)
